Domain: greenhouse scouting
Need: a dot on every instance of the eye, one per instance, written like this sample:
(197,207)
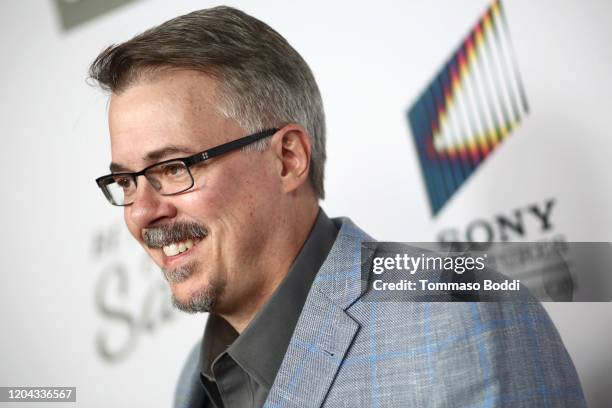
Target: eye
(175,170)
(124,182)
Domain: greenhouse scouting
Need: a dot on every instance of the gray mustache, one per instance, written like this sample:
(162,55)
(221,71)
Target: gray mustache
(167,234)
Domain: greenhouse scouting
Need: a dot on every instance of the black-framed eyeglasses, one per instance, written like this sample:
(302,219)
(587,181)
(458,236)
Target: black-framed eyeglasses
(168,177)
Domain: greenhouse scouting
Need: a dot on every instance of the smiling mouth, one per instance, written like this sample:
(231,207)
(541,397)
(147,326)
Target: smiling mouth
(178,248)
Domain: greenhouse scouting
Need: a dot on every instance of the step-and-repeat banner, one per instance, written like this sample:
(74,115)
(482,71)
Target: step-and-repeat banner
(475,121)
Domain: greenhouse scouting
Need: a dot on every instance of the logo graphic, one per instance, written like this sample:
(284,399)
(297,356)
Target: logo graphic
(473,103)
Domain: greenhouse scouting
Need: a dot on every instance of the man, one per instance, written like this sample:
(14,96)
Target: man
(224,121)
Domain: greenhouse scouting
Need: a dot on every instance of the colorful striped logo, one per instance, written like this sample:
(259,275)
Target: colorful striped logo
(472,104)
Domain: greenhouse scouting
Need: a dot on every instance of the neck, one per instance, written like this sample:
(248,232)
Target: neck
(282,249)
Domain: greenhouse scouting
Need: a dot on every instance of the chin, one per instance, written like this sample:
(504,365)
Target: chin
(189,297)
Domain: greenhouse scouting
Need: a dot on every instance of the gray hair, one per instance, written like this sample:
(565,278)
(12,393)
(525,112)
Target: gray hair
(264,82)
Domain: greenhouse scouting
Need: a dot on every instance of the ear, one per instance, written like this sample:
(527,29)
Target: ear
(292,148)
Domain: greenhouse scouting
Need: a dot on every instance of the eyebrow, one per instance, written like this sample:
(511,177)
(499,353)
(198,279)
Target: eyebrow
(154,156)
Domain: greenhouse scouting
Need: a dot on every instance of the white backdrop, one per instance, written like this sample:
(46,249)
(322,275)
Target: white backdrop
(80,304)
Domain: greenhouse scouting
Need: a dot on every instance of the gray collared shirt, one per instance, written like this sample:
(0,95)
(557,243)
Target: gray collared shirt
(239,370)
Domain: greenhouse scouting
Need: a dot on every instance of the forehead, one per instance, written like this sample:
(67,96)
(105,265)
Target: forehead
(173,108)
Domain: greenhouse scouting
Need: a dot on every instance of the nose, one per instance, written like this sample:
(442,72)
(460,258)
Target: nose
(149,206)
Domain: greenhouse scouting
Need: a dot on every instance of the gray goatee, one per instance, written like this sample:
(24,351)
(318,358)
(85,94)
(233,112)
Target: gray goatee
(203,300)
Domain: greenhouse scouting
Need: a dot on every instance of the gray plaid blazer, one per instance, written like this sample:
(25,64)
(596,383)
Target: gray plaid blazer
(347,352)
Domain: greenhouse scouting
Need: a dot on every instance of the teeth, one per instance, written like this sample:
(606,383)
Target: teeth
(171,250)
(177,247)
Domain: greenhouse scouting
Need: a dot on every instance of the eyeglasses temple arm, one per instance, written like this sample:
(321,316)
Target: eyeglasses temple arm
(228,147)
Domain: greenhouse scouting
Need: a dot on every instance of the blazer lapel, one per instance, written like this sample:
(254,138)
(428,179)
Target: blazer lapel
(189,392)
(324,331)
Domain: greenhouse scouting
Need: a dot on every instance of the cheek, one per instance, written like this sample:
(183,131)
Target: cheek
(201,204)
(245,198)
(233,199)
(222,194)
(251,208)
